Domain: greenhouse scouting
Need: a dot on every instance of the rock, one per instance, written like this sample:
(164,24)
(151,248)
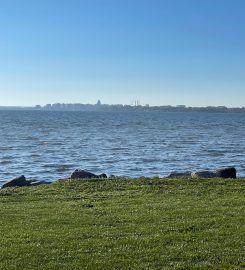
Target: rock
(204,174)
(17,182)
(82,174)
(38,183)
(22,182)
(103,175)
(229,172)
(178,174)
(79,174)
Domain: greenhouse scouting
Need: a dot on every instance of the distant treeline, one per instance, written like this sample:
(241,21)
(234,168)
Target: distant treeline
(126,108)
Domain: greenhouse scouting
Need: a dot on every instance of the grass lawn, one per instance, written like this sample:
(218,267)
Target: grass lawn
(124,223)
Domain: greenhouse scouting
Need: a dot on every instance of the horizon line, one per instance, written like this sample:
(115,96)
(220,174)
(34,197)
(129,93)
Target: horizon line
(120,104)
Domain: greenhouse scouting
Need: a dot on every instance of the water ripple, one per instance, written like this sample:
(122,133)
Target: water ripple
(50,145)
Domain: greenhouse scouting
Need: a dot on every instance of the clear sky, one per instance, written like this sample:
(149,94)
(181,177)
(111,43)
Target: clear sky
(161,52)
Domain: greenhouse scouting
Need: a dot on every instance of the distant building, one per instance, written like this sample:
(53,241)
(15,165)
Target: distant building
(48,106)
(135,103)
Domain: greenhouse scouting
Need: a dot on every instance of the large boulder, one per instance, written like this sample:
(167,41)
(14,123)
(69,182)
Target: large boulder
(79,174)
(178,174)
(204,174)
(229,172)
(19,181)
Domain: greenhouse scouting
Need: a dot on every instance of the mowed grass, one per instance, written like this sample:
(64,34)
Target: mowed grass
(124,223)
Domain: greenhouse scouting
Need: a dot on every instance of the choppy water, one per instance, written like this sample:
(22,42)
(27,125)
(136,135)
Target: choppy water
(50,145)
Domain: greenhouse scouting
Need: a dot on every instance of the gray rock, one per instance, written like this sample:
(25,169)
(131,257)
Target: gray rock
(79,174)
(38,183)
(229,172)
(103,175)
(17,182)
(204,174)
(178,174)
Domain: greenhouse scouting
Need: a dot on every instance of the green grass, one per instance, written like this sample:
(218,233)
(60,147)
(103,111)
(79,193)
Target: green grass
(124,224)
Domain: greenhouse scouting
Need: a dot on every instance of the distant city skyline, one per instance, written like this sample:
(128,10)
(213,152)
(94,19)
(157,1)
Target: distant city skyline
(132,103)
(162,52)
(134,106)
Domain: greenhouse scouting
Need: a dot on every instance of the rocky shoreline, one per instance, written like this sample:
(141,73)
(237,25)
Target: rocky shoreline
(228,172)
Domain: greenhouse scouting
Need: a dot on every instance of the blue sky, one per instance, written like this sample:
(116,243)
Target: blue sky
(158,51)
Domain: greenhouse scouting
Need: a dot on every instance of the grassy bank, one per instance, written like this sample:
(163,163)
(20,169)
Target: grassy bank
(124,224)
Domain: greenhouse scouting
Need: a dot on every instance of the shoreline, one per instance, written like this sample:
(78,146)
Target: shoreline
(226,172)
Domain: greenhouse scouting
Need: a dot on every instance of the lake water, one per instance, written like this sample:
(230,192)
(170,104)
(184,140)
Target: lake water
(50,145)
